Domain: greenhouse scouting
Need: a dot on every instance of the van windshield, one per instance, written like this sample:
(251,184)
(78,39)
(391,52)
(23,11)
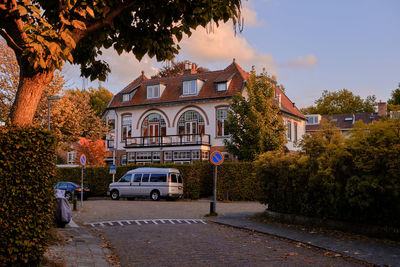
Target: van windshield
(125,179)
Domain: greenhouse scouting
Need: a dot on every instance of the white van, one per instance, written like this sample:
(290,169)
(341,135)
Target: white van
(155,183)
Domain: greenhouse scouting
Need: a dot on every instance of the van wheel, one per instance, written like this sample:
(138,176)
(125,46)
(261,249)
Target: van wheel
(114,195)
(155,195)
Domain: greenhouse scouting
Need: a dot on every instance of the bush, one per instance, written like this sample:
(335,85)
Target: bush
(27,158)
(235,178)
(353,179)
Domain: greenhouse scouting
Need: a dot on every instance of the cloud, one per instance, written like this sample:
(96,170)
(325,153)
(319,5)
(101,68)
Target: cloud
(250,17)
(301,62)
(223,45)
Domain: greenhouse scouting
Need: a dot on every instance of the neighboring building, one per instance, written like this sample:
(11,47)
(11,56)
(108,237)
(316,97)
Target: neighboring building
(345,122)
(181,119)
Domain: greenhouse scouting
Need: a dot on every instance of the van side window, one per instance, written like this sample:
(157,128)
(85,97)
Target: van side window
(158,177)
(137,177)
(145,178)
(173,178)
(126,178)
(180,179)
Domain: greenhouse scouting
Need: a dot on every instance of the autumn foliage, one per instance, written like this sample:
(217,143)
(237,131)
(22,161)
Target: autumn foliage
(95,151)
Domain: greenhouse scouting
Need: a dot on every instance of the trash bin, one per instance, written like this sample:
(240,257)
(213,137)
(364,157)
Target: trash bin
(63,211)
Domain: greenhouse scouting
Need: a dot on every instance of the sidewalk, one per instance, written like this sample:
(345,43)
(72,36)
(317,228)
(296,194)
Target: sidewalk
(81,248)
(371,252)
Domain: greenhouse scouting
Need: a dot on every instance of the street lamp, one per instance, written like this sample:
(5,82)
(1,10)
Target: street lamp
(49,98)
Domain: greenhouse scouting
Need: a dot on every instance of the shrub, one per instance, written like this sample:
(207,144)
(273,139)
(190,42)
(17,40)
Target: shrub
(354,179)
(235,178)
(27,157)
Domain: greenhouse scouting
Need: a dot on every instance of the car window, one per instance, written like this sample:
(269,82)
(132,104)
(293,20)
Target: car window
(126,178)
(173,178)
(179,179)
(158,177)
(137,177)
(62,186)
(145,178)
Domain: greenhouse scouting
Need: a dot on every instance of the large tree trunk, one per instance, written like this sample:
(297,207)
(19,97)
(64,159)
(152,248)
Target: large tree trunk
(30,90)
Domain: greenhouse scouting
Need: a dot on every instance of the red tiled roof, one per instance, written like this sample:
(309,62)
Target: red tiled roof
(173,89)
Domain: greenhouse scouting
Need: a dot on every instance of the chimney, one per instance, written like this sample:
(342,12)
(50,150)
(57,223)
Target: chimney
(190,68)
(382,109)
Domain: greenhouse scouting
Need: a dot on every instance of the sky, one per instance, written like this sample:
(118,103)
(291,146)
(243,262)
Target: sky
(309,45)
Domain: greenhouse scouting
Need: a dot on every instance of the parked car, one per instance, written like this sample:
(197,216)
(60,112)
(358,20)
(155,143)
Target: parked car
(70,187)
(155,183)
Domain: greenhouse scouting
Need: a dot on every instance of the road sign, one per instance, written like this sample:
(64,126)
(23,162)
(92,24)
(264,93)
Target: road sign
(113,169)
(82,160)
(216,158)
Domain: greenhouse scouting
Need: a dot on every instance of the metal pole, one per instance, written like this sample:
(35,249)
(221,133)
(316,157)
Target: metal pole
(114,164)
(48,114)
(215,190)
(82,188)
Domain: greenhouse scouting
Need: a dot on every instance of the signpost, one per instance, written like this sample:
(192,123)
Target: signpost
(82,160)
(216,158)
(113,168)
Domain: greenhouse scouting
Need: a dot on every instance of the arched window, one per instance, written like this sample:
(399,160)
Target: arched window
(154,125)
(191,122)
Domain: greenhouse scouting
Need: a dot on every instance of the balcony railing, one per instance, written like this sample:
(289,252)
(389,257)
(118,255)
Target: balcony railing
(168,140)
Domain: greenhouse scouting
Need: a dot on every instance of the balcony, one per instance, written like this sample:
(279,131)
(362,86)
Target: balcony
(168,140)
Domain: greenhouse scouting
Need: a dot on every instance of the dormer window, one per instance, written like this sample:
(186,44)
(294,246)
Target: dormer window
(221,87)
(155,91)
(192,87)
(125,97)
(313,119)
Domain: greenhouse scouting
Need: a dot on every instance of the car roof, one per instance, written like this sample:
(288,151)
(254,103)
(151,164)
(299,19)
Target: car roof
(68,183)
(146,169)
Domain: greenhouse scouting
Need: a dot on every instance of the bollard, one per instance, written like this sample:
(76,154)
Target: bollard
(74,203)
(212,211)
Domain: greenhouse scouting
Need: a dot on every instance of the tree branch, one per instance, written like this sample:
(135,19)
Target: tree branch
(79,34)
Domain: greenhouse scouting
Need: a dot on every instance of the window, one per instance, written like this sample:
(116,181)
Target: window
(190,87)
(295,132)
(222,117)
(310,120)
(191,122)
(167,155)
(123,159)
(174,179)
(126,97)
(154,125)
(182,155)
(126,178)
(221,87)
(126,127)
(179,178)
(145,178)
(137,178)
(153,91)
(71,157)
(289,130)
(158,177)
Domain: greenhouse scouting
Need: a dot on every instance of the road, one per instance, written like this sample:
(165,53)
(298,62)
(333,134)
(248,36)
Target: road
(146,233)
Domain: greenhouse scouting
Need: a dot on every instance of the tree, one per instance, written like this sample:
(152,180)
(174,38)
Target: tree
(73,117)
(9,77)
(175,69)
(339,102)
(394,101)
(99,99)
(253,122)
(95,151)
(45,33)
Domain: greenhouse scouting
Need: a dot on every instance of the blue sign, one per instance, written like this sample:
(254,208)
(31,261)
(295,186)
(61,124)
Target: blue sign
(113,167)
(83,159)
(216,158)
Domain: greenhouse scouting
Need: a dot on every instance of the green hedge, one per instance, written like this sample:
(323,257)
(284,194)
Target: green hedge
(354,178)
(27,196)
(235,178)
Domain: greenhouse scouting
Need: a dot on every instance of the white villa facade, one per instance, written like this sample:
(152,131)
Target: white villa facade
(181,119)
